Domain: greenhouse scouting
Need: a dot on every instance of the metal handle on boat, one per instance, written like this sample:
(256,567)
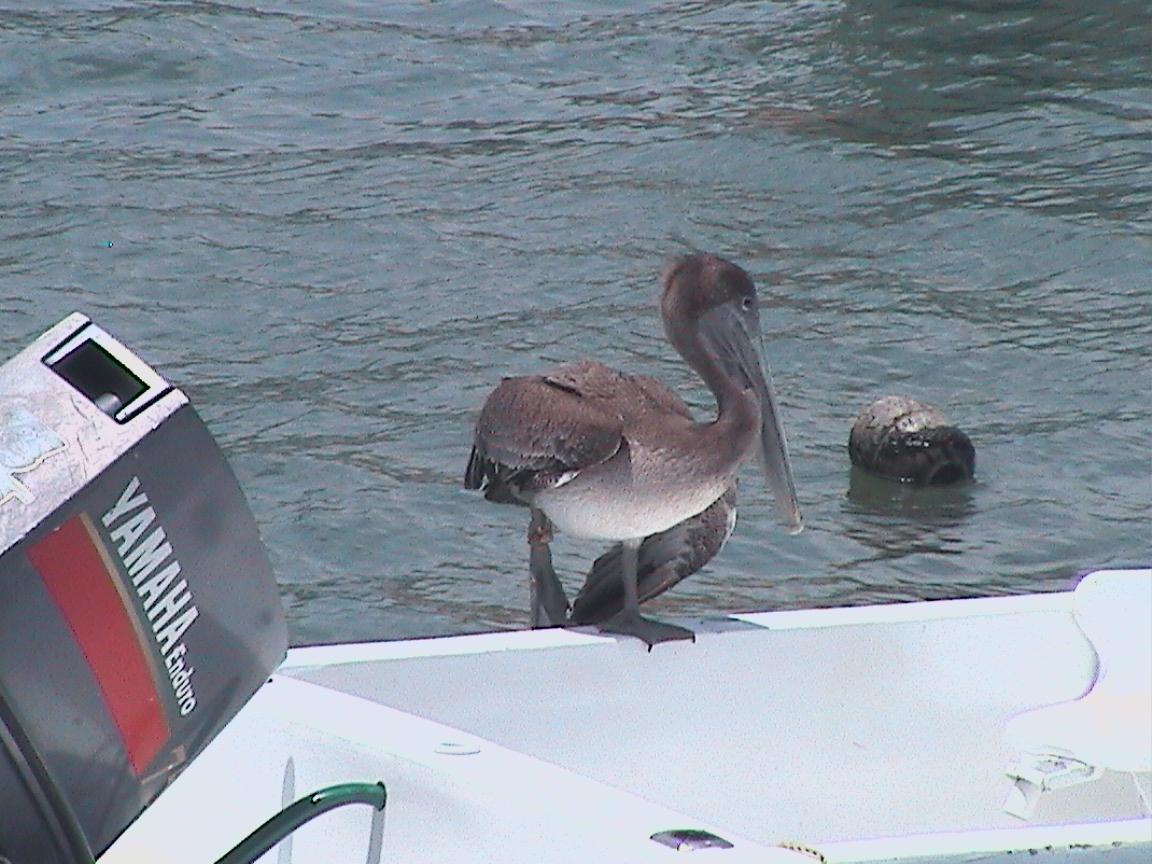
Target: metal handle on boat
(303,811)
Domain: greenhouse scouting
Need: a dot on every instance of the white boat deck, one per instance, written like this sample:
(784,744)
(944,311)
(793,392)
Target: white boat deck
(868,733)
(884,730)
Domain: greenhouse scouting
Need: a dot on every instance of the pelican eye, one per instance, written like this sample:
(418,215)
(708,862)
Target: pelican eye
(746,303)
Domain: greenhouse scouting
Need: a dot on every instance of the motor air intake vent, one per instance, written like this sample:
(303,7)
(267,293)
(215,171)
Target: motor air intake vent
(106,373)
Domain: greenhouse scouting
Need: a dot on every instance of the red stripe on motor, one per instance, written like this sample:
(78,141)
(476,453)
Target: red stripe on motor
(78,579)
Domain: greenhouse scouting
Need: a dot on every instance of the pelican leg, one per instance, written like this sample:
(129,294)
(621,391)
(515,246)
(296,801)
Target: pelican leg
(629,621)
(549,602)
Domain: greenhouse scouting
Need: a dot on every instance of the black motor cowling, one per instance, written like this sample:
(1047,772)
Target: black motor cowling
(138,610)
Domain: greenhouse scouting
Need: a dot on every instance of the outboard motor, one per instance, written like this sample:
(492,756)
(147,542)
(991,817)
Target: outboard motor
(138,611)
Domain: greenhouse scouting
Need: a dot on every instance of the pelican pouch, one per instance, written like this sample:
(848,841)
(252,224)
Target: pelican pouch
(138,611)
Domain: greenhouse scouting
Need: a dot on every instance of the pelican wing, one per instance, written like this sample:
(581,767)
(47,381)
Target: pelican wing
(535,431)
(664,560)
(636,399)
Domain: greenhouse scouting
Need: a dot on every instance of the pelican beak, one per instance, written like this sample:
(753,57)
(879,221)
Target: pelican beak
(737,343)
(774,459)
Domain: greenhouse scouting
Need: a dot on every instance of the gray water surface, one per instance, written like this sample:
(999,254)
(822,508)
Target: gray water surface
(338,224)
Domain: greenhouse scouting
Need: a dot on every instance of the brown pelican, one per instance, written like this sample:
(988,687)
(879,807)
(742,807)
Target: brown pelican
(605,455)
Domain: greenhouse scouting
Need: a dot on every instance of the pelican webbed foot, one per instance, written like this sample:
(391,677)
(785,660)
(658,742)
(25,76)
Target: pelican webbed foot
(646,629)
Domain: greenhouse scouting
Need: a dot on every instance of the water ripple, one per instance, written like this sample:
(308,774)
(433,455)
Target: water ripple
(337,226)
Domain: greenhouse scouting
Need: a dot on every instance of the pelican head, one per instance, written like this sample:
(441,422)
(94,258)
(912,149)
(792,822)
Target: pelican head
(711,315)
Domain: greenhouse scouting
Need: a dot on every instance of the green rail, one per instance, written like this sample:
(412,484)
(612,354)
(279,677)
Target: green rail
(300,813)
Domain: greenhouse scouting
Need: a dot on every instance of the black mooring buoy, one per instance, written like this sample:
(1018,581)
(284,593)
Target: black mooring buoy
(906,440)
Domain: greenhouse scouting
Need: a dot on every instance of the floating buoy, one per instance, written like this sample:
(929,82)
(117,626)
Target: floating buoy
(907,440)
